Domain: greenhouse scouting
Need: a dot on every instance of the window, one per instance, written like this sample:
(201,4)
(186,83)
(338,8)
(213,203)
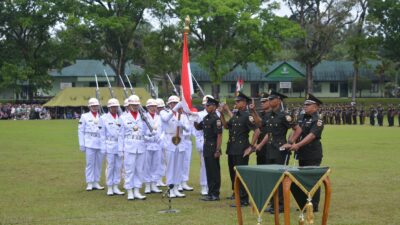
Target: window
(285,90)
(317,87)
(272,87)
(334,87)
(374,87)
(232,88)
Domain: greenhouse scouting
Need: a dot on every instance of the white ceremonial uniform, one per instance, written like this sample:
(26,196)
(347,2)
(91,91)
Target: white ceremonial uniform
(162,168)
(109,131)
(89,142)
(131,146)
(153,150)
(174,153)
(199,134)
(187,141)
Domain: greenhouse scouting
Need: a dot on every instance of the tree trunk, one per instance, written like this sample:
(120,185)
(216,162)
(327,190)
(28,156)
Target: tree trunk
(309,75)
(355,78)
(214,90)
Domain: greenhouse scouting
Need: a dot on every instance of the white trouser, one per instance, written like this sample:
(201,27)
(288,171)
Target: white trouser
(152,165)
(114,166)
(174,167)
(133,164)
(162,166)
(203,174)
(186,161)
(94,161)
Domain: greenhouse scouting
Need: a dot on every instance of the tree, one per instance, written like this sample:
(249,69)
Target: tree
(359,46)
(322,22)
(108,30)
(226,34)
(26,44)
(386,15)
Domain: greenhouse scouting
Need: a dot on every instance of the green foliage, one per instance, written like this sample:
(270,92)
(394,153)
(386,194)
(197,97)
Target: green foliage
(26,45)
(111,30)
(386,15)
(231,33)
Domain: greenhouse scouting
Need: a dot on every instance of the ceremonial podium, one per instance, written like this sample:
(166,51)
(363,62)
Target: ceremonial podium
(261,183)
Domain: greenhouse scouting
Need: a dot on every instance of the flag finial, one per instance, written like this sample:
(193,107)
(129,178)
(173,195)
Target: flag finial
(187,23)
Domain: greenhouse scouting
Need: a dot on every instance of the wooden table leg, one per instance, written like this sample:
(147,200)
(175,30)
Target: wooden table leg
(328,191)
(237,200)
(276,206)
(286,199)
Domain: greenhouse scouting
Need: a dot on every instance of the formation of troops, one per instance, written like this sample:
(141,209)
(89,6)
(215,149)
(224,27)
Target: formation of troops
(145,147)
(350,114)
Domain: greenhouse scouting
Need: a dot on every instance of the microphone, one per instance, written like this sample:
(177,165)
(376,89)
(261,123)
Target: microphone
(166,193)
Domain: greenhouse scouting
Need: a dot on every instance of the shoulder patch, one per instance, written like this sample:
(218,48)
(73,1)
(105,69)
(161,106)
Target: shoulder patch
(219,123)
(251,119)
(319,123)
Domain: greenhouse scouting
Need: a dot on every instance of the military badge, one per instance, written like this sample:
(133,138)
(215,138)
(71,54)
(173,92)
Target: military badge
(289,118)
(319,123)
(135,128)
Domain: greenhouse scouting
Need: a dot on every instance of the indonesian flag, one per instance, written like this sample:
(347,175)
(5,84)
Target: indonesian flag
(239,85)
(186,78)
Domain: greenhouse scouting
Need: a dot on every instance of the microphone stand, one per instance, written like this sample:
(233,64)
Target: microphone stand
(170,209)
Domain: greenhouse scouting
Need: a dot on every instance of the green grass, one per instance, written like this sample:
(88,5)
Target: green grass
(42,181)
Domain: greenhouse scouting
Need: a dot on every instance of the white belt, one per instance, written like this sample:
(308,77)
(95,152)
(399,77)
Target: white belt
(92,134)
(134,137)
(111,139)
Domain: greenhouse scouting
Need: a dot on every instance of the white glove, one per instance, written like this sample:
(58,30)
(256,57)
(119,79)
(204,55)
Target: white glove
(177,107)
(82,148)
(194,117)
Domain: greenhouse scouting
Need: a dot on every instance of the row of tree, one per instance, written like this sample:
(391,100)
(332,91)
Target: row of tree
(37,35)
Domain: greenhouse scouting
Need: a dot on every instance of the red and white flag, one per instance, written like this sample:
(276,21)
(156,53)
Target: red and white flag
(239,86)
(186,78)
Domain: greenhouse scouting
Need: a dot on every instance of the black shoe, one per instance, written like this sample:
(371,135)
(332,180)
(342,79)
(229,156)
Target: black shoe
(206,198)
(242,204)
(232,197)
(214,198)
(272,211)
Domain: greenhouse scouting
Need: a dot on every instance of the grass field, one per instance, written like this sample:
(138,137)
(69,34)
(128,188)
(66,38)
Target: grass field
(42,181)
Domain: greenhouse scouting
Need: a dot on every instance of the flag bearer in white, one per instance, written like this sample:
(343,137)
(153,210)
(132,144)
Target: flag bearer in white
(89,142)
(162,166)
(109,130)
(131,147)
(153,149)
(175,152)
(187,143)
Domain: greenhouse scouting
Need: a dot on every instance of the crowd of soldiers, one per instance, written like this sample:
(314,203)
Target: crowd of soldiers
(144,147)
(350,114)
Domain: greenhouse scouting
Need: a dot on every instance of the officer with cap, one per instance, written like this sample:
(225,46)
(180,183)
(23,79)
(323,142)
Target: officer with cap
(109,130)
(240,124)
(308,146)
(153,149)
(131,146)
(199,134)
(264,129)
(212,128)
(89,142)
(279,122)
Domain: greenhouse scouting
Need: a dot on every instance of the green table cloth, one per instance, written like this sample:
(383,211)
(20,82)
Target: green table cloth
(261,182)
